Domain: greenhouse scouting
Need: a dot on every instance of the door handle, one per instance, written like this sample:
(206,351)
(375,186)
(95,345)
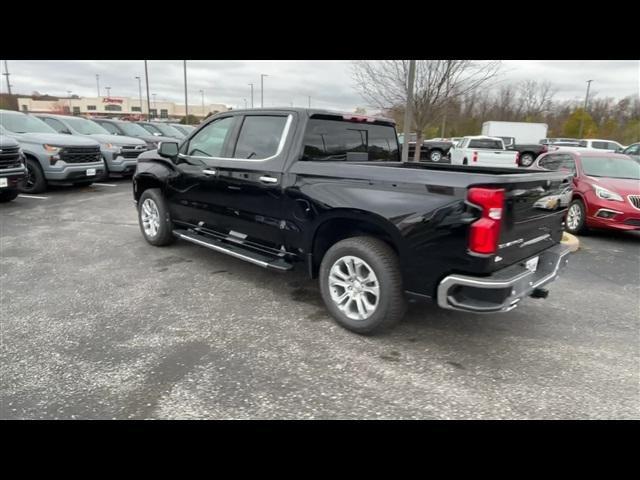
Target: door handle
(210,171)
(267,179)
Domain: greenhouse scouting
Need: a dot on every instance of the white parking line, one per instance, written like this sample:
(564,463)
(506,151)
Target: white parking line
(32,196)
(105,184)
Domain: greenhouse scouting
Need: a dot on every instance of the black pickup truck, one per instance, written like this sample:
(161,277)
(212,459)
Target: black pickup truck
(528,152)
(432,150)
(326,191)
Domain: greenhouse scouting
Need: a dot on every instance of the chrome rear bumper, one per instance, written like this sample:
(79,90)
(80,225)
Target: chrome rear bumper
(502,290)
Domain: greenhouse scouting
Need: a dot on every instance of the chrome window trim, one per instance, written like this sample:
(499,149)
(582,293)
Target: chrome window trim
(283,139)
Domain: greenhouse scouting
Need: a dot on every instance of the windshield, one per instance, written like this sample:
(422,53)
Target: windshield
(168,130)
(21,123)
(85,127)
(133,129)
(611,167)
(150,128)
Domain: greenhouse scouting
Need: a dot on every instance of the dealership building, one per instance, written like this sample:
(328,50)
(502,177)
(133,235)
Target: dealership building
(114,107)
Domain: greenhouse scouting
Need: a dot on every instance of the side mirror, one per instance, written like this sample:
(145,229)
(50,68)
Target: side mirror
(168,149)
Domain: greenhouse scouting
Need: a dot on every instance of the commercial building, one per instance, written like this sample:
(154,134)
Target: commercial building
(114,107)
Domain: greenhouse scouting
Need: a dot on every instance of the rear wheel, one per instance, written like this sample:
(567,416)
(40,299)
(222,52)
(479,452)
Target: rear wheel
(361,285)
(154,219)
(435,155)
(8,195)
(576,217)
(33,181)
(526,159)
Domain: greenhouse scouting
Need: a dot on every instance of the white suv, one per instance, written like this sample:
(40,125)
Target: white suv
(597,144)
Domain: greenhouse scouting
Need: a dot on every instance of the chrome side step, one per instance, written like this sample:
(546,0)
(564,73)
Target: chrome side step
(234,250)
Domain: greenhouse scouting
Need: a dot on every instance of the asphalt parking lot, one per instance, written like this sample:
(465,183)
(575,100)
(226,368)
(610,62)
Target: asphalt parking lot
(97,324)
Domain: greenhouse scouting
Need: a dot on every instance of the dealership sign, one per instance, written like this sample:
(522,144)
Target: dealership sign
(111,100)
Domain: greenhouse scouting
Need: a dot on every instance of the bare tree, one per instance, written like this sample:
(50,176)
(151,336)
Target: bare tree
(535,98)
(438,82)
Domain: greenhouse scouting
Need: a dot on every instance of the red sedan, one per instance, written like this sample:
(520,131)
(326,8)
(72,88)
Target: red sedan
(606,188)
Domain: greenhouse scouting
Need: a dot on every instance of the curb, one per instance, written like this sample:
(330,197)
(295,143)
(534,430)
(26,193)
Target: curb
(570,240)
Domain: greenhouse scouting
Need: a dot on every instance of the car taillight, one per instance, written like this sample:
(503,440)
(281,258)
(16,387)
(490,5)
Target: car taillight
(484,233)
(475,156)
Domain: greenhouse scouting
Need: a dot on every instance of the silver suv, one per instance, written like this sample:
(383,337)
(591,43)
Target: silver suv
(51,158)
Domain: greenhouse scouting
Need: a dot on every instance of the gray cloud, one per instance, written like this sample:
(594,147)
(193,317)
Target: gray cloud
(329,83)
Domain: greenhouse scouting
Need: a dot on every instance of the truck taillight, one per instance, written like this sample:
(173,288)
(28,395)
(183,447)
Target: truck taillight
(475,156)
(485,232)
(518,158)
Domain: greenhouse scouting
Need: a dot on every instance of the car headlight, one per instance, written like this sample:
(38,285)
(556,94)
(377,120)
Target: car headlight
(607,194)
(53,149)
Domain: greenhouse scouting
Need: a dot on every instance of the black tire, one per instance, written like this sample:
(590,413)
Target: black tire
(527,159)
(465,162)
(8,195)
(164,233)
(391,303)
(33,181)
(436,155)
(106,175)
(580,225)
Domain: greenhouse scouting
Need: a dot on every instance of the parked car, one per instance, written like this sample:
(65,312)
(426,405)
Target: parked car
(120,152)
(327,191)
(632,151)
(162,130)
(119,127)
(483,151)
(606,188)
(51,157)
(528,152)
(185,129)
(432,150)
(605,145)
(12,169)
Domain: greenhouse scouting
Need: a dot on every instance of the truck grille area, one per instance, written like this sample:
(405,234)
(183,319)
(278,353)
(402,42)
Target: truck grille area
(80,154)
(132,151)
(9,157)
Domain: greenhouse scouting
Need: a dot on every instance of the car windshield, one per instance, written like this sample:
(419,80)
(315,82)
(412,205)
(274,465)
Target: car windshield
(168,130)
(611,167)
(21,123)
(85,127)
(133,129)
(150,128)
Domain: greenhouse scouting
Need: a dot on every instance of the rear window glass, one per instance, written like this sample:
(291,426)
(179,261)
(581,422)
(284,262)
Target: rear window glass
(489,144)
(335,140)
(259,137)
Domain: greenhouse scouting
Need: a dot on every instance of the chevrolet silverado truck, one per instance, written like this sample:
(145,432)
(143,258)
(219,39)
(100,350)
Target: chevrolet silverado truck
(483,151)
(130,129)
(12,169)
(327,192)
(528,153)
(120,152)
(51,158)
(431,150)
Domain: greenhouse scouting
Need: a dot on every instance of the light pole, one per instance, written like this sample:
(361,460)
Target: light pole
(154,105)
(245,103)
(202,93)
(251,94)
(586,99)
(140,94)
(7,75)
(262,75)
(186,106)
(98,84)
(69,95)
(146,79)
(108,89)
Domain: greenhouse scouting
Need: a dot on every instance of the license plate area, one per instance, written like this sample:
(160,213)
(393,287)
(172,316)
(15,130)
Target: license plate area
(91,172)
(4,182)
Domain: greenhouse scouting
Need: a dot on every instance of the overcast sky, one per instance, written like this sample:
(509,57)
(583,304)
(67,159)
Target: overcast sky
(329,83)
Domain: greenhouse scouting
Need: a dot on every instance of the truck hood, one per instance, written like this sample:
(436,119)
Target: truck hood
(56,139)
(623,186)
(8,142)
(118,140)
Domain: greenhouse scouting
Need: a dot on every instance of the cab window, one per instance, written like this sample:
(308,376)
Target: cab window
(210,140)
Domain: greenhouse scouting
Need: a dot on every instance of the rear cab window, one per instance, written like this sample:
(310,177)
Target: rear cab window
(331,139)
(485,144)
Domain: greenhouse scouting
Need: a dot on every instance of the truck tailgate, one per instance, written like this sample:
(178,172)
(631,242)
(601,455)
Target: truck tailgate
(533,217)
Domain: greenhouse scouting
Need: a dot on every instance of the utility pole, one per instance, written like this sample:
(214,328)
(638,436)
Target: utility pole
(98,84)
(146,79)
(69,95)
(186,107)
(245,103)
(309,101)
(7,74)
(108,89)
(140,94)
(586,99)
(251,94)
(262,75)
(202,93)
(408,112)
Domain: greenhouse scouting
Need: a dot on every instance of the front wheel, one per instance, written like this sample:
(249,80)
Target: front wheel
(576,217)
(154,219)
(526,159)
(33,181)
(361,285)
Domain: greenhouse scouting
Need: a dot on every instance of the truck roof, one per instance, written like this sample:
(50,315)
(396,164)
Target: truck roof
(311,112)
(482,137)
